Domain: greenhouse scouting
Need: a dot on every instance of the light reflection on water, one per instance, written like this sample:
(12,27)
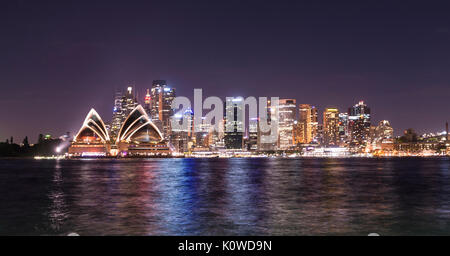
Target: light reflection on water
(226,197)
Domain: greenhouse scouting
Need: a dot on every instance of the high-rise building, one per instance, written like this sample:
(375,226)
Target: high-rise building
(331,127)
(299,133)
(343,129)
(124,103)
(234,134)
(161,106)
(181,138)
(384,133)
(287,117)
(147,101)
(309,121)
(359,125)
(118,115)
(129,102)
(202,138)
(271,116)
(253,134)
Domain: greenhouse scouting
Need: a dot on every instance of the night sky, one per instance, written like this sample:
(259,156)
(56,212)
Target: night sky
(58,59)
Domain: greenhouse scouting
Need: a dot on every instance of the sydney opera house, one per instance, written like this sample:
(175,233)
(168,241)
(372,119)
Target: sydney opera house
(137,136)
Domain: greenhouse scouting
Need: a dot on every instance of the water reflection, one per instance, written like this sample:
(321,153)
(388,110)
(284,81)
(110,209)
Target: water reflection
(58,212)
(226,197)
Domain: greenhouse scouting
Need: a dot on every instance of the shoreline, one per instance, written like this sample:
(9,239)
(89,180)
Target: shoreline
(187,157)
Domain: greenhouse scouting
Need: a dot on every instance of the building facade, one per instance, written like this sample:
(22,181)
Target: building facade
(308,119)
(161,110)
(359,125)
(331,127)
(287,117)
(234,130)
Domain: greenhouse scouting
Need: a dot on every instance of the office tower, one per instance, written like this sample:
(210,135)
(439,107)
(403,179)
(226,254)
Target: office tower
(359,125)
(314,123)
(331,127)
(202,138)
(343,129)
(264,146)
(287,117)
(118,115)
(253,134)
(299,133)
(309,121)
(161,106)
(216,137)
(234,134)
(129,102)
(124,103)
(384,133)
(319,139)
(147,102)
(181,138)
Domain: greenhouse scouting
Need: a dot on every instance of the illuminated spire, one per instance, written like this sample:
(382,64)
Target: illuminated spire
(147,97)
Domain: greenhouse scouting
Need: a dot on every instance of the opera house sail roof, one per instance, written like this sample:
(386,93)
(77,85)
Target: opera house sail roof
(138,128)
(93,129)
(137,135)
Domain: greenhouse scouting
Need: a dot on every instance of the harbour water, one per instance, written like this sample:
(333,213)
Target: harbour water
(354,196)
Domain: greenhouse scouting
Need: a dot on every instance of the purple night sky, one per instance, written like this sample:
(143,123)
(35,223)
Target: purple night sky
(59,59)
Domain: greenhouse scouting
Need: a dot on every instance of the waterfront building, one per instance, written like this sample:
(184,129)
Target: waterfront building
(331,127)
(252,144)
(233,136)
(308,118)
(287,117)
(343,129)
(161,110)
(202,136)
(271,116)
(92,139)
(384,135)
(428,144)
(359,119)
(137,136)
(181,138)
(299,133)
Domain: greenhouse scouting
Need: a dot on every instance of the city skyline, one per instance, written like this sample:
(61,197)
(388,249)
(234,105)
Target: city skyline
(395,57)
(131,91)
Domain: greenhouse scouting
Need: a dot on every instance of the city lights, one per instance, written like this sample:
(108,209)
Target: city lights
(137,131)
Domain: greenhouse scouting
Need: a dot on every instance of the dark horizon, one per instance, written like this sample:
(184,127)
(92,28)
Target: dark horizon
(61,59)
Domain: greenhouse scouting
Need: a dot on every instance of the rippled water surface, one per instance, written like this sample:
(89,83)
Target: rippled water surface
(225,197)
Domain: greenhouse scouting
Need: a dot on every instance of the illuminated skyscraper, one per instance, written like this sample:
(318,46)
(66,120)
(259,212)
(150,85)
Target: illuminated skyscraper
(234,134)
(331,127)
(147,102)
(124,103)
(264,146)
(253,134)
(299,132)
(309,122)
(202,138)
(287,117)
(343,129)
(161,105)
(118,115)
(359,125)
(181,138)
